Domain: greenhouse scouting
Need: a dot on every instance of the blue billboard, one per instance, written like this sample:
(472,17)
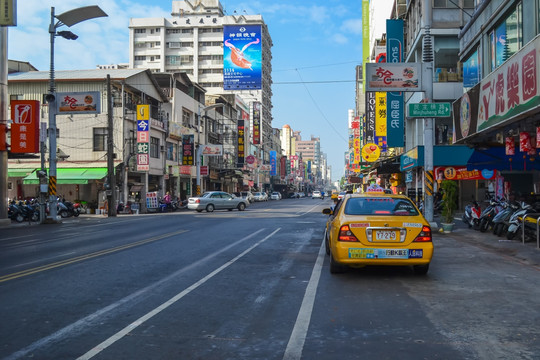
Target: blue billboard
(242,57)
(273,163)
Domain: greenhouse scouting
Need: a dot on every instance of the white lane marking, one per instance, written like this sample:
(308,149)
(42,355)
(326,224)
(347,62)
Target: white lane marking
(308,211)
(119,335)
(82,324)
(299,332)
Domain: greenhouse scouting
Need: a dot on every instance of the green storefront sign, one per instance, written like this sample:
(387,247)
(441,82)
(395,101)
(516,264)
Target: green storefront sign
(429,110)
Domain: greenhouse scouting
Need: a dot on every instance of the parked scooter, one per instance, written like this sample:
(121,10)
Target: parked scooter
(67,209)
(486,218)
(471,216)
(14,212)
(515,221)
(501,220)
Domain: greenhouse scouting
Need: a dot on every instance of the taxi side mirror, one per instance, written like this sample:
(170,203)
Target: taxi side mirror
(327,211)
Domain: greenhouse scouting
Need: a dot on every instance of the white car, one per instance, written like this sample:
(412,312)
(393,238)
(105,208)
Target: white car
(275,196)
(316,195)
(260,196)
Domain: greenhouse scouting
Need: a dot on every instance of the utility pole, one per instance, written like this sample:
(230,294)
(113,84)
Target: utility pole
(3,126)
(427,58)
(111,179)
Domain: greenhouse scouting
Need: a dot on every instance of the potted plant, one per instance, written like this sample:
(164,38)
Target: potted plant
(450,201)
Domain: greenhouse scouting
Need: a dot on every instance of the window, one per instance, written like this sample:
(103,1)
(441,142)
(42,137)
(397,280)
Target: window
(100,139)
(172,151)
(445,4)
(506,38)
(217,30)
(140,58)
(17,97)
(186,118)
(140,31)
(187,31)
(154,147)
(206,30)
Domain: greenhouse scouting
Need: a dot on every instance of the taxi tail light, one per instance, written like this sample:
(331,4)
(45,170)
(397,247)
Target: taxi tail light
(345,234)
(425,235)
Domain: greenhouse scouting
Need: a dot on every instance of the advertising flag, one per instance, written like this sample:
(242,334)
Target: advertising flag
(242,57)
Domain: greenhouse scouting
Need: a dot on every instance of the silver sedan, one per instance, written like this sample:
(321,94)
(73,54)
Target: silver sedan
(216,200)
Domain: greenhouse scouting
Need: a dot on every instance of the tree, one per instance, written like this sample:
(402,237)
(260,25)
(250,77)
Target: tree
(450,197)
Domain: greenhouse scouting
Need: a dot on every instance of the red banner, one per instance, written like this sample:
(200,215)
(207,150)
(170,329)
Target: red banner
(461,173)
(25,126)
(510,146)
(524,142)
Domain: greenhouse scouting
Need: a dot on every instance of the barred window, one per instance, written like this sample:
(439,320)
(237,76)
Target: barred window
(100,139)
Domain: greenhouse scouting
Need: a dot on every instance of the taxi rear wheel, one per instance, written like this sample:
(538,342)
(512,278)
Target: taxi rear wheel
(421,269)
(335,267)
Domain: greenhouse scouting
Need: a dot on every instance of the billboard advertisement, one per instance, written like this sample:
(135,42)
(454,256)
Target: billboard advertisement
(78,103)
(242,57)
(393,77)
(143,137)
(25,126)
(369,124)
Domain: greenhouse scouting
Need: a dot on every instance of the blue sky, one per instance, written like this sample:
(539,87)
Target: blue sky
(317,44)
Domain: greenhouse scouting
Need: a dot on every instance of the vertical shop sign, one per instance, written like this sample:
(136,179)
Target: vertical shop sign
(241,144)
(370,117)
(256,123)
(356,138)
(510,147)
(143,137)
(380,120)
(188,150)
(25,126)
(394,101)
(273,163)
(242,57)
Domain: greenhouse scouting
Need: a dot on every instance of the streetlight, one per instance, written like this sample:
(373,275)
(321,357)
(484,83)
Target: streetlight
(199,147)
(69,18)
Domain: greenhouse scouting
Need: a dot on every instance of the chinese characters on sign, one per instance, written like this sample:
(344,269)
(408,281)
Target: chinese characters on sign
(79,103)
(241,144)
(380,120)
(242,54)
(256,122)
(369,125)
(188,150)
(143,137)
(25,126)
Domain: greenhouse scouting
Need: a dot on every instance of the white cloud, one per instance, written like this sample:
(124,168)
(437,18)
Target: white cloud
(340,39)
(352,26)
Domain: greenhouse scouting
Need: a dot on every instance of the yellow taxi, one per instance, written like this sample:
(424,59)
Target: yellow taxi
(376,228)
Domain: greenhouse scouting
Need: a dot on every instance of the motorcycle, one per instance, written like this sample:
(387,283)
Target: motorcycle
(471,216)
(501,220)
(486,218)
(66,209)
(14,212)
(515,222)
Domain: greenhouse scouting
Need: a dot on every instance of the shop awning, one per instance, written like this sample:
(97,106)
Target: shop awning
(443,155)
(70,176)
(495,158)
(19,172)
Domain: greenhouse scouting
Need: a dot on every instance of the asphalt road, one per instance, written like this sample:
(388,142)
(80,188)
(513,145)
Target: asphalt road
(251,285)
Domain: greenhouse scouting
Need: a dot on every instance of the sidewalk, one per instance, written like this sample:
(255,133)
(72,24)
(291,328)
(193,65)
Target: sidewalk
(526,252)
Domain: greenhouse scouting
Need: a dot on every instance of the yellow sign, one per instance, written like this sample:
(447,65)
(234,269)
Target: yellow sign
(380,114)
(370,152)
(143,112)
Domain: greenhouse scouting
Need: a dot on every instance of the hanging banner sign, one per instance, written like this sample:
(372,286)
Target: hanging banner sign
(380,120)
(510,146)
(273,163)
(524,142)
(143,137)
(25,126)
(461,173)
(241,144)
(370,117)
(212,150)
(256,123)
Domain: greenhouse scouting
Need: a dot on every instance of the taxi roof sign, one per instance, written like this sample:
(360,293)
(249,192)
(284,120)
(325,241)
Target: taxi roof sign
(374,188)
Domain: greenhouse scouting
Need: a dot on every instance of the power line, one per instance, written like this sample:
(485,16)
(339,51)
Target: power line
(318,108)
(318,66)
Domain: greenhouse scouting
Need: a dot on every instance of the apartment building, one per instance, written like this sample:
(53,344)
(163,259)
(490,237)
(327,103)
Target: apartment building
(192,41)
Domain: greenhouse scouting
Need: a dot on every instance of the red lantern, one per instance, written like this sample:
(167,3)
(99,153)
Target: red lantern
(510,146)
(524,142)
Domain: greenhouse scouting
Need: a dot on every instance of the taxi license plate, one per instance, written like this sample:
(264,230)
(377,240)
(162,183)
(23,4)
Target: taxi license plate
(385,235)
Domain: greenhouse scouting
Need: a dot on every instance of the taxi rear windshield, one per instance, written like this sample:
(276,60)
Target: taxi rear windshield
(380,206)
